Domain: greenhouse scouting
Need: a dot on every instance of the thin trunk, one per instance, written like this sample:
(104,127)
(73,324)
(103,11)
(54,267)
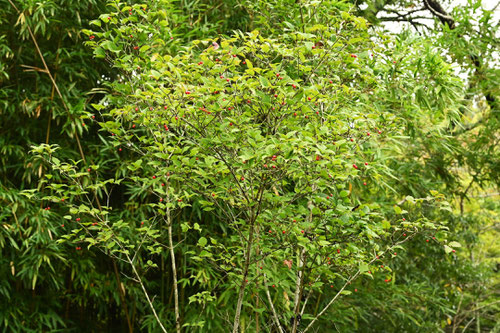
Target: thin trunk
(273,310)
(257,253)
(298,290)
(300,275)
(243,281)
(174,275)
(121,292)
(138,277)
(331,301)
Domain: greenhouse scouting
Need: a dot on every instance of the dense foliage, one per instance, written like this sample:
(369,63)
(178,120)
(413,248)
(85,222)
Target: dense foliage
(246,166)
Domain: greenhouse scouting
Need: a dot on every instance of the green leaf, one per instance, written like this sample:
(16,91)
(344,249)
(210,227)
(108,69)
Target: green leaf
(202,241)
(363,268)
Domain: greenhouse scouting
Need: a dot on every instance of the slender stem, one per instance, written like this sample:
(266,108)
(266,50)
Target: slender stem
(138,277)
(298,290)
(331,301)
(174,272)
(243,282)
(121,292)
(273,310)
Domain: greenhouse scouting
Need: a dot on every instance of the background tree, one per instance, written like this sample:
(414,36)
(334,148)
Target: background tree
(176,243)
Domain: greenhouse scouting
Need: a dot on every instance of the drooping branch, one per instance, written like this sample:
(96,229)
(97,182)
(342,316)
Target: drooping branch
(436,9)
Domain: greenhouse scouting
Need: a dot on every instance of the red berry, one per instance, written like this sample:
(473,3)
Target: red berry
(338,250)
(364,183)
(133,125)
(404,235)
(302,231)
(188,92)
(308,98)
(154,177)
(284,232)
(62,225)
(77,219)
(274,286)
(354,166)
(242,178)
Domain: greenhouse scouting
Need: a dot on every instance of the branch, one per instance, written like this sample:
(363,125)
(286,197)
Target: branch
(436,9)
(275,315)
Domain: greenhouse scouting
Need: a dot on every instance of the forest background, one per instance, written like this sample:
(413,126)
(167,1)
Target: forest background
(249,166)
